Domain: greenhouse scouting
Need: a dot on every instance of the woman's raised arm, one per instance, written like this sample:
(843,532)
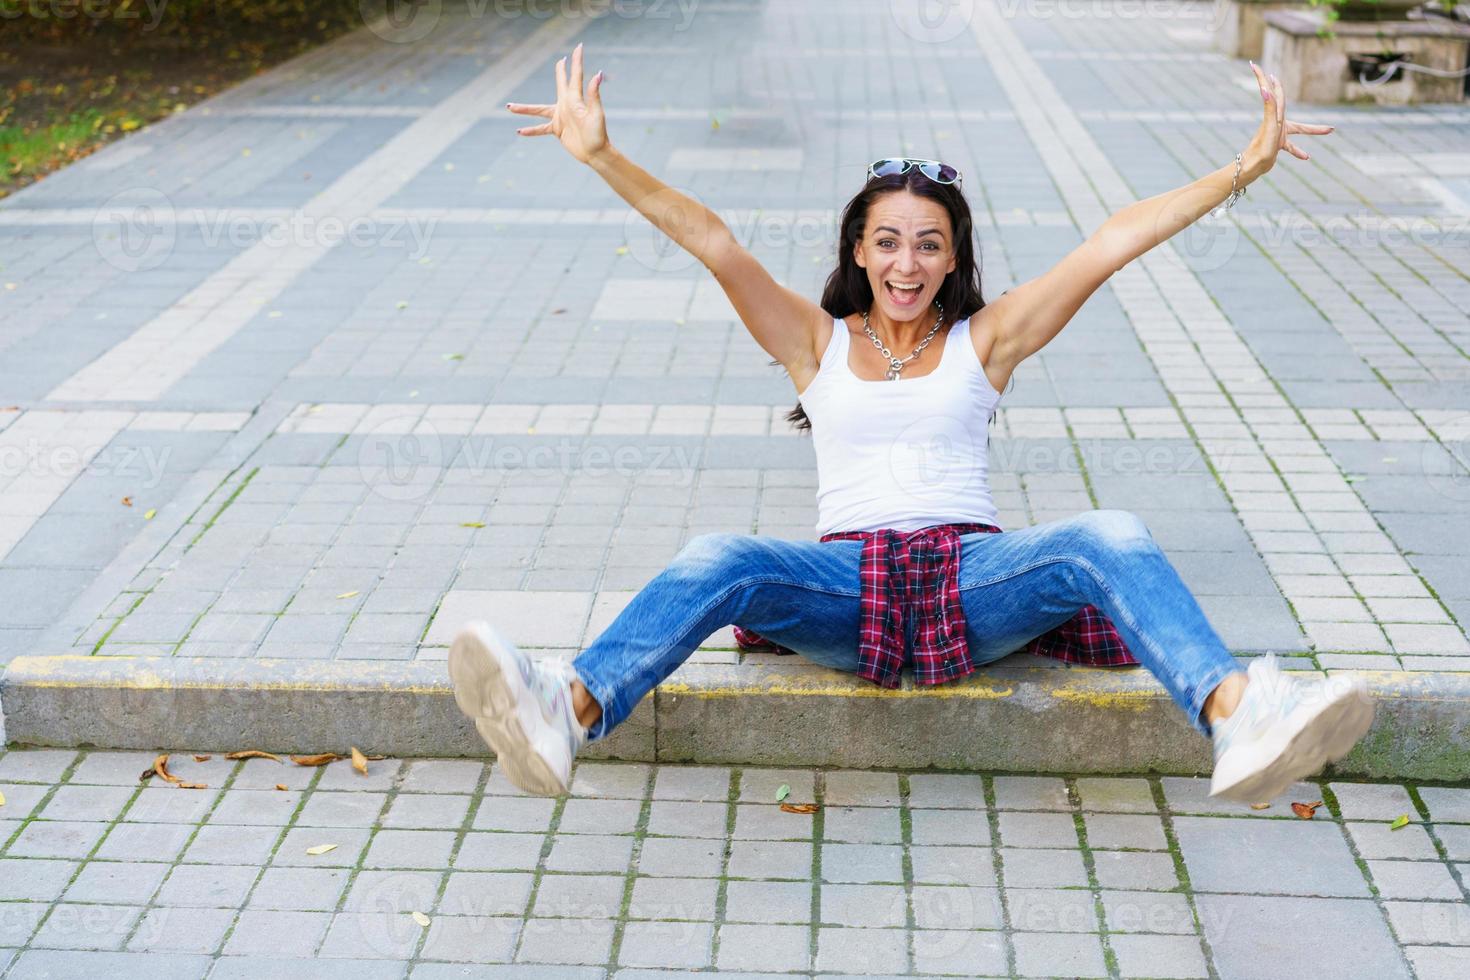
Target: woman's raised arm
(1028,317)
(782,321)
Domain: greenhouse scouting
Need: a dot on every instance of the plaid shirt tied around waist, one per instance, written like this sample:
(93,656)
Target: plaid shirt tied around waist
(914,577)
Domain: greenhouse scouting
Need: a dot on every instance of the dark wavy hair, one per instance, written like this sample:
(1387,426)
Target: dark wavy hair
(848,290)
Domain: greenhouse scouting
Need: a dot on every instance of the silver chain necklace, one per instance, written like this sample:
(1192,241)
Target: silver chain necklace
(894,364)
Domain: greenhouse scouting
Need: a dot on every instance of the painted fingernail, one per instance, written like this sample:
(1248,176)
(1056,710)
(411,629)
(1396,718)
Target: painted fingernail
(1268,96)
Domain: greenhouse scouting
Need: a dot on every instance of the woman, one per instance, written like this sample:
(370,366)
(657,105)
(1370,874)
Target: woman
(908,570)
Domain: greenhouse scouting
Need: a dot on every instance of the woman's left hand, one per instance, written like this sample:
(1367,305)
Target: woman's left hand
(1276,130)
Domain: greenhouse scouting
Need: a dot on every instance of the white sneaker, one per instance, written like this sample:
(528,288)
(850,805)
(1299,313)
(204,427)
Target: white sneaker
(1284,730)
(522,709)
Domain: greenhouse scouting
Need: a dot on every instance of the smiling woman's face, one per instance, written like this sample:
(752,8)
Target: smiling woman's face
(907,242)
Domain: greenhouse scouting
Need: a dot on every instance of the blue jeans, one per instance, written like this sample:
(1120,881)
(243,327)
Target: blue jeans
(1015,586)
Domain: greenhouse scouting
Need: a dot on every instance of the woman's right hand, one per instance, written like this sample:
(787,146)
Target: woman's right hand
(576,119)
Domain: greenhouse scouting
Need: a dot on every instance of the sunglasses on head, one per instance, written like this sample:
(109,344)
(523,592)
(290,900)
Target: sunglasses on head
(940,173)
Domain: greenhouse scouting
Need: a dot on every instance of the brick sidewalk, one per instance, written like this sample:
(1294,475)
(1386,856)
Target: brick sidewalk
(648,868)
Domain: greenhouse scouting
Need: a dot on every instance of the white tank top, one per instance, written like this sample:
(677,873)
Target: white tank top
(901,454)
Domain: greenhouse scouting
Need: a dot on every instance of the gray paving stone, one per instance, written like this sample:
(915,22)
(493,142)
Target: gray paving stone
(34,879)
(1159,956)
(580,896)
(959,952)
(382,933)
(1031,793)
(1142,911)
(1106,794)
(1268,857)
(876,906)
(953,865)
(483,893)
(1038,830)
(858,863)
(271,933)
(1041,954)
(1302,930)
(1446,804)
(120,882)
(670,945)
(181,930)
(862,825)
(471,938)
(409,849)
(862,950)
(207,886)
(35,765)
(1370,801)
(56,839)
(299,889)
(35,964)
(1027,868)
(571,941)
(85,926)
(767,821)
(768,901)
(515,814)
(687,819)
(763,948)
(949,827)
(1413,879)
(224,844)
(675,858)
(425,811)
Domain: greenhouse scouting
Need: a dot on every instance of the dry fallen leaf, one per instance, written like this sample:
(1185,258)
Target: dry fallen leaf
(320,849)
(349,595)
(359,761)
(127,501)
(280,786)
(148,514)
(252,754)
(798,808)
(421,919)
(1399,822)
(1260,806)
(203,758)
(160,769)
(2,799)
(1305,810)
(315,760)
(183,785)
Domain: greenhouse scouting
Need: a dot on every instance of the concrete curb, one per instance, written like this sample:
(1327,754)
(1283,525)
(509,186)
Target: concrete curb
(1022,715)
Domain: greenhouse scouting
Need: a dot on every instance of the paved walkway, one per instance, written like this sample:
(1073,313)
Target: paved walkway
(440,865)
(326,326)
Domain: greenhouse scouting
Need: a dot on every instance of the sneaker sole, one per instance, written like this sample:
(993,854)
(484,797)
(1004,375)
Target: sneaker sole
(1323,738)
(489,689)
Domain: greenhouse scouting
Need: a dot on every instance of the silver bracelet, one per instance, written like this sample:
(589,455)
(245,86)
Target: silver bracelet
(1236,191)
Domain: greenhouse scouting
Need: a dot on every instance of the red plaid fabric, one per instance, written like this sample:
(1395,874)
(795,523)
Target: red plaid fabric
(915,577)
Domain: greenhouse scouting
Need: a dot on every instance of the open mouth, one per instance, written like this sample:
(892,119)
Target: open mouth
(902,295)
